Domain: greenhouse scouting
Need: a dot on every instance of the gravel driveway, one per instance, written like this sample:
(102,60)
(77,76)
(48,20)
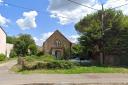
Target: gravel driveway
(9,78)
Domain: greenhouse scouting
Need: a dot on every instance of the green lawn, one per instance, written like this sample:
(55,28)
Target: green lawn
(78,70)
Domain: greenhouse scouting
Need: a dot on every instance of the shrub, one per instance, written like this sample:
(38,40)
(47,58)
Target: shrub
(33,49)
(30,58)
(47,57)
(2,57)
(39,58)
(40,53)
(45,62)
(48,65)
(60,65)
(12,54)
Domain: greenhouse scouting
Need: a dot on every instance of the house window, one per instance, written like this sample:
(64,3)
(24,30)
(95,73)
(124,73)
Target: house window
(57,43)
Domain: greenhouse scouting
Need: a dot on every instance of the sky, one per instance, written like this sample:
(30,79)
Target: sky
(40,18)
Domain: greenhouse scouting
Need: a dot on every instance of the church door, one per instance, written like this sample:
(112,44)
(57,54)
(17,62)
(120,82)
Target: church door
(58,54)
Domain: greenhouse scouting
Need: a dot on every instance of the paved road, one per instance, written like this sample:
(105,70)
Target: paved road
(9,78)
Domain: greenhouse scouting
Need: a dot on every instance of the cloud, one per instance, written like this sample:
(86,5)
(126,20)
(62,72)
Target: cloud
(73,38)
(28,20)
(116,3)
(68,12)
(3,4)
(44,36)
(37,41)
(1,1)
(4,21)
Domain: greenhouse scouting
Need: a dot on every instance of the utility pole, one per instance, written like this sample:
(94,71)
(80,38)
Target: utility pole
(102,36)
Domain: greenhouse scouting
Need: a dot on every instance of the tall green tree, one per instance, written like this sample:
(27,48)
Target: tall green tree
(92,22)
(22,44)
(10,39)
(91,34)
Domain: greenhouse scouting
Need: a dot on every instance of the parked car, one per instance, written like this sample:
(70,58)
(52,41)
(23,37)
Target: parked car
(78,60)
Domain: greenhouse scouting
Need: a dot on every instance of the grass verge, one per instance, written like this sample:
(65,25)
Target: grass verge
(6,60)
(75,70)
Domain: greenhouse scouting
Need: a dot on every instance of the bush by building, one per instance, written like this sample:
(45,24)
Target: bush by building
(2,57)
(45,62)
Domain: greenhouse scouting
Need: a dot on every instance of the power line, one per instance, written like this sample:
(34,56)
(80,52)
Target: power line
(17,6)
(120,6)
(64,17)
(94,8)
(26,8)
(81,4)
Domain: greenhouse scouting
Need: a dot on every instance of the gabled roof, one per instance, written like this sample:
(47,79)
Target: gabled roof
(3,30)
(57,31)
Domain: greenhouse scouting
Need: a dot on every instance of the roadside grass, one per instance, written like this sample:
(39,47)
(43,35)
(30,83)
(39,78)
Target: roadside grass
(7,59)
(39,58)
(3,61)
(75,70)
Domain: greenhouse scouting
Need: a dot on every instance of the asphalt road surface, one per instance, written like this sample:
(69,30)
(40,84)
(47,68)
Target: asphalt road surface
(10,78)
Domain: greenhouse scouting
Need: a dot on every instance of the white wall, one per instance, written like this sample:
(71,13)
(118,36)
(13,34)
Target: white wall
(2,42)
(9,47)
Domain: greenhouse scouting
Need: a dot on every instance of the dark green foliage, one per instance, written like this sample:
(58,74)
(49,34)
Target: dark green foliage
(77,51)
(60,65)
(92,22)
(48,65)
(118,46)
(45,62)
(113,42)
(2,57)
(33,49)
(10,39)
(40,53)
(20,48)
(23,43)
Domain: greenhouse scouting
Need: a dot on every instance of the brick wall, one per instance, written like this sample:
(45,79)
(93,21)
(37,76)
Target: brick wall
(50,43)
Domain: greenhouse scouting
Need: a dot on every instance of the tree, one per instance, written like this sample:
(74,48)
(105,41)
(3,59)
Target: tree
(11,39)
(20,48)
(92,22)
(76,50)
(91,33)
(22,44)
(33,49)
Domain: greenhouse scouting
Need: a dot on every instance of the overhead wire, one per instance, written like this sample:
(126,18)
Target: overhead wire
(18,6)
(77,3)
(81,4)
(120,6)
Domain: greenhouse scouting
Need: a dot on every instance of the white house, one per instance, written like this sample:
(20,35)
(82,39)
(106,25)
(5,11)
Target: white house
(4,47)
(2,41)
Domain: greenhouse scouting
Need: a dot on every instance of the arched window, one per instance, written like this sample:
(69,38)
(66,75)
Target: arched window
(57,43)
